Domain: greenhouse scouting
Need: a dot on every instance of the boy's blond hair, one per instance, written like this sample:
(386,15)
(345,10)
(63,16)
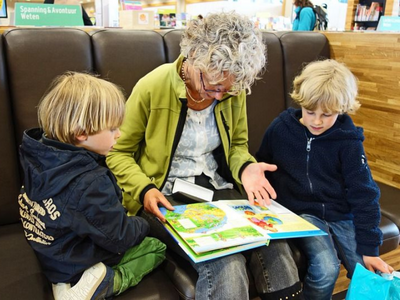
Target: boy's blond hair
(327,84)
(78,103)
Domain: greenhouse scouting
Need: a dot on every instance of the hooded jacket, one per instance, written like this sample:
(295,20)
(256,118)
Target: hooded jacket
(71,209)
(326,175)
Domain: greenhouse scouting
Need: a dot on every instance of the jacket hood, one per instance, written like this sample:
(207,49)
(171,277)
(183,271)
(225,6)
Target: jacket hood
(48,170)
(343,128)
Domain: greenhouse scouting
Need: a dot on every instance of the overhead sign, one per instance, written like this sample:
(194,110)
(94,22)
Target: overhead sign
(389,23)
(36,14)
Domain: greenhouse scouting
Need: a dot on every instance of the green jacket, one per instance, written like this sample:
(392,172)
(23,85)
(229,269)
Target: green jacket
(155,116)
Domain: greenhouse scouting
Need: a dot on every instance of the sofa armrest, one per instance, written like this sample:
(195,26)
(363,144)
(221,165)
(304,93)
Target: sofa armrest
(182,275)
(390,202)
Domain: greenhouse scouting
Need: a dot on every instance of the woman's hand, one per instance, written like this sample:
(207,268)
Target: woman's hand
(151,200)
(255,183)
(375,263)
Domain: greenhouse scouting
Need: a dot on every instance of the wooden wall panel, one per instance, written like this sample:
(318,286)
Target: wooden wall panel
(389,7)
(375,59)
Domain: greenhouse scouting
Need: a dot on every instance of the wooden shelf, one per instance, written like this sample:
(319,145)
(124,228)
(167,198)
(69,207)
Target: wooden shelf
(367,22)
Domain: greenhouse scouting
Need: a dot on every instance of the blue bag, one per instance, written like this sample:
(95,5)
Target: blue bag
(366,285)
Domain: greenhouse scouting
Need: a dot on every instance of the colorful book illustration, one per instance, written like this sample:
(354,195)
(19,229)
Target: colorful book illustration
(209,230)
(278,221)
(210,226)
(199,257)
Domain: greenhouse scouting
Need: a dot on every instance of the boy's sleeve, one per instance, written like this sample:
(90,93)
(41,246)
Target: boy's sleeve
(102,217)
(363,196)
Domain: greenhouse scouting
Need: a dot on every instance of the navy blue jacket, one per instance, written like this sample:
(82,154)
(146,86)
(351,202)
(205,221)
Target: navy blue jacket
(326,176)
(71,208)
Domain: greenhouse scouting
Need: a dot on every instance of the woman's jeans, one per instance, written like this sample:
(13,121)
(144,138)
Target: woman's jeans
(272,267)
(324,255)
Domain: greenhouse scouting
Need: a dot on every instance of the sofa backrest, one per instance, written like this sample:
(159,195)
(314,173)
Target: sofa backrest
(125,56)
(172,38)
(35,56)
(9,176)
(267,97)
(299,49)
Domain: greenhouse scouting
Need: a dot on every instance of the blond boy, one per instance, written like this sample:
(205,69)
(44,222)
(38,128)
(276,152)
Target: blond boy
(323,175)
(70,204)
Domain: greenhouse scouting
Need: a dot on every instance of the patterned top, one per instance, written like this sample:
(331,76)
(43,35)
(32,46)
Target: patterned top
(193,155)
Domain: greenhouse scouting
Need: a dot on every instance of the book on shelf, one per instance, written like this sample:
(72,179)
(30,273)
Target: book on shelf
(371,12)
(364,13)
(209,230)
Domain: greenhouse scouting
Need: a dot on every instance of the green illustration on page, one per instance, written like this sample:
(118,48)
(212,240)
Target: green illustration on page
(205,227)
(198,218)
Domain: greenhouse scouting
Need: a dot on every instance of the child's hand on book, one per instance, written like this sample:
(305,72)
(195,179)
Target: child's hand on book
(152,199)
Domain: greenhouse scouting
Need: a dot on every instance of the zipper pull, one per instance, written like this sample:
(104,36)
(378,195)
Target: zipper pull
(309,144)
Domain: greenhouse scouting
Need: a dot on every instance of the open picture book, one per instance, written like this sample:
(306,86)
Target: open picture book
(209,230)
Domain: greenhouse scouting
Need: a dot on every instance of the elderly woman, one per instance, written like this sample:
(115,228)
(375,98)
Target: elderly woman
(188,120)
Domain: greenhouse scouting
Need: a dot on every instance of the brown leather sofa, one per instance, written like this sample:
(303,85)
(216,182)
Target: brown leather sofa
(30,58)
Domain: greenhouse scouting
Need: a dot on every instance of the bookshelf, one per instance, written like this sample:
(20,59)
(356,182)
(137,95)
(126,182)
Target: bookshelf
(364,14)
(367,14)
(385,8)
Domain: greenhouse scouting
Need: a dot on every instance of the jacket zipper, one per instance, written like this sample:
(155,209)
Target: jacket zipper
(309,140)
(226,126)
(308,148)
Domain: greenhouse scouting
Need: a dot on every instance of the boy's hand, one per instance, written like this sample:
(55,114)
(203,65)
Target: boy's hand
(256,185)
(151,200)
(375,263)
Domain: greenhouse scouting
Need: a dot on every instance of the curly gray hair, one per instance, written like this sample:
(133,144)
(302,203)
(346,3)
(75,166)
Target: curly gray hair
(225,43)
